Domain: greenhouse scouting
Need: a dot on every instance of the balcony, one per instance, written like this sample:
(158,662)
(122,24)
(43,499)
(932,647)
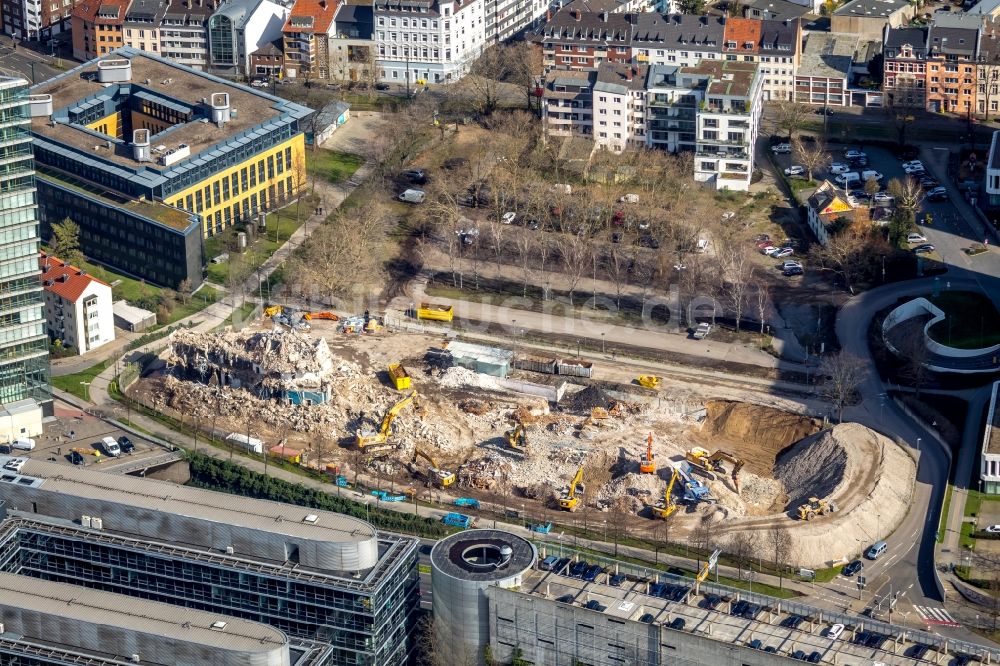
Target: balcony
(727,110)
(720,155)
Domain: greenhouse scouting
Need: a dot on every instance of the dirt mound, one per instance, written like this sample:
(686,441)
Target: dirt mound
(754,432)
(818,466)
(588,398)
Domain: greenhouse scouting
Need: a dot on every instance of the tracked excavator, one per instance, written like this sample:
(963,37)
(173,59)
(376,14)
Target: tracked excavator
(569,500)
(647,465)
(665,508)
(709,463)
(517,438)
(378,441)
(441,478)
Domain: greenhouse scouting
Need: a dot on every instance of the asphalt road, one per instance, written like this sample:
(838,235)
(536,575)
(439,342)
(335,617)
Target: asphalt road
(25,62)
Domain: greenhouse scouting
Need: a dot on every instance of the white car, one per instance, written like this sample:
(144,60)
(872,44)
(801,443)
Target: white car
(508,217)
(790,263)
(782,149)
(839,167)
(913,169)
(883,198)
(795,170)
(773,250)
(834,632)
(915,238)
(111,447)
(993,529)
(629,198)
(854,154)
(913,163)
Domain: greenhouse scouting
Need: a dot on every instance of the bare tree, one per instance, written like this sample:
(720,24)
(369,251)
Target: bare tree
(811,154)
(497,234)
(849,253)
(780,542)
(616,266)
(737,275)
(743,546)
(482,84)
(574,250)
(908,194)
(789,117)
(844,372)
(913,353)
(545,248)
(524,243)
(762,294)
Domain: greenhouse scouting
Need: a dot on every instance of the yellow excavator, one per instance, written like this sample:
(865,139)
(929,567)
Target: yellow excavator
(647,465)
(517,438)
(367,438)
(569,501)
(666,507)
(273,310)
(442,478)
(816,507)
(709,462)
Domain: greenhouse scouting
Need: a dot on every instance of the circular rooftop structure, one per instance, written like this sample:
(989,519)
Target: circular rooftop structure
(463,566)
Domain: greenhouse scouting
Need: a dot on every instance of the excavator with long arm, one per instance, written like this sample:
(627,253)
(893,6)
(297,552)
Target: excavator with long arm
(367,439)
(647,465)
(442,478)
(569,501)
(517,439)
(710,463)
(665,508)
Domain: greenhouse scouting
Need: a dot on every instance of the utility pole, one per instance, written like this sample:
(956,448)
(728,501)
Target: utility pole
(406,52)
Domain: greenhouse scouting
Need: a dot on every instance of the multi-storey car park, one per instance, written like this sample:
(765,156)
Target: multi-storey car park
(45,623)
(563,607)
(149,157)
(314,575)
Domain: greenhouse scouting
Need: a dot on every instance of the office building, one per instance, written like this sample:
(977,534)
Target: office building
(428,41)
(240,27)
(501,596)
(313,575)
(149,157)
(713,109)
(78,307)
(48,623)
(24,345)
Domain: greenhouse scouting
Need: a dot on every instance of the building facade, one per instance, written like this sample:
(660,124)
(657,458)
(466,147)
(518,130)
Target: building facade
(240,27)
(267,61)
(306,35)
(313,575)
(24,345)
(353,51)
(428,41)
(174,29)
(35,20)
(728,123)
(149,157)
(870,18)
(78,307)
(98,27)
(952,63)
(904,80)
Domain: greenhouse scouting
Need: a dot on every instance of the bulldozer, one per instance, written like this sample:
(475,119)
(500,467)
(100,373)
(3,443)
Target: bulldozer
(647,464)
(517,439)
(816,507)
(376,441)
(569,500)
(649,381)
(441,478)
(709,463)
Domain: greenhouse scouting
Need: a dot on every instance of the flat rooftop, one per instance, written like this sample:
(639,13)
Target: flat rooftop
(709,613)
(479,555)
(871,8)
(828,55)
(992,435)
(102,610)
(161,496)
(157,77)
(730,78)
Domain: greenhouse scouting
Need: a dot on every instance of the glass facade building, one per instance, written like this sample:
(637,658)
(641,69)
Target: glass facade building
(24,360)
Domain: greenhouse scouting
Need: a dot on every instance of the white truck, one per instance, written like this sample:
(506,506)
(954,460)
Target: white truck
(111,447)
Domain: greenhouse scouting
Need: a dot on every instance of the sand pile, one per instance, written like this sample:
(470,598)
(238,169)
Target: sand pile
(816,467)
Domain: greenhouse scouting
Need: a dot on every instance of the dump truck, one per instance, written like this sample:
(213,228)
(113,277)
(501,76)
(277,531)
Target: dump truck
(458,520)
(647,464)
(399,377)
(816,507)
(435,312)
(569,500)
(467,502)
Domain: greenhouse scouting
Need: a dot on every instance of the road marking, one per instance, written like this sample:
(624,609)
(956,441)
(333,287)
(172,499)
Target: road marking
(936,616)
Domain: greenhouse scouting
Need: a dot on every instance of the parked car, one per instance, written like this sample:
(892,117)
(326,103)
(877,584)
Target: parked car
(794,271)
(854,154)
(937,192)
(592,573)
(915,238)
(929,183)
(508,217)
(533,225)
(852,568)
(126,444)
(629,198)
(839,167)
(824,111)
(547,563)
(914,170)
(678,624)
(418,176)
(381,86)
(799,654)
(755,644)
(111,447)
(920,249)
(783,252)
(453,163)
(883,198)
(937,197)
(773,250)
(790,263)
(835,631)
(871,173)
(413,196)
(795,170)
(702,331)
(761,238)
(815,657)
(993,529)
(782,149)
(913,163)
(23,444)
(617,580)
(616,237)
(76,458)
(594,605)
(647,618)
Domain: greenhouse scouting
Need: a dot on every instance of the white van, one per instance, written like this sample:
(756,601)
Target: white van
(845,180)
(876,550)
(413,196)
(562,188)
(702,245)
(871,173)
(111,447)
(23,444)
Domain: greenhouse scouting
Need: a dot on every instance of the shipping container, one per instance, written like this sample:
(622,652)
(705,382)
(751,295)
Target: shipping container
(573,368)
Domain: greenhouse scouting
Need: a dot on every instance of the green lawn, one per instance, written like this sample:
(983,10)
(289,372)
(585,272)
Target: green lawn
(943,522)
(71,383)
(972,321)
(280,225)
(331,165)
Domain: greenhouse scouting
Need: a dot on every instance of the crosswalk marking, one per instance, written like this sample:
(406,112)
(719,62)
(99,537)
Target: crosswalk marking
(935,616)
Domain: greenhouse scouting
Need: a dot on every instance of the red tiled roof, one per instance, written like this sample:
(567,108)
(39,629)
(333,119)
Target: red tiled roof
(741,31)
(64,280)
(110,11)
(321,11)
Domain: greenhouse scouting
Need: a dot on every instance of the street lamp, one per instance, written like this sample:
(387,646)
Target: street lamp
(602,344)
(918,445)
(86,390)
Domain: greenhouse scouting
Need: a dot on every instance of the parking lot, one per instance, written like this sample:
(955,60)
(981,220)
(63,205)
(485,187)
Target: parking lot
(71,429)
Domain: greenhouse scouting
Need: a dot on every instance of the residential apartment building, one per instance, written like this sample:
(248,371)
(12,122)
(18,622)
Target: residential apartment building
(578,39)
(142,24)
(712,109)
(428,41)
(149,157)
(78,307)
(774,44)
(24,345)
(353,51)
(240,27)
(184,32)
(507,18)
(905,67)
(988,71)
(952,61)
(870,18)
(36,20)
(306,35)
(333,586)
(267,61)
(98,27)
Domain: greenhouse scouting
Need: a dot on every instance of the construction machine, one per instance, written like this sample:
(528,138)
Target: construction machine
(710,463)
(367,439)
(272,310)
(442,478)
(647,465)
(666,507)
(517,438)
(816,507)
(87,452)
(649,381)
(329,316)
(694,490)
(569,500)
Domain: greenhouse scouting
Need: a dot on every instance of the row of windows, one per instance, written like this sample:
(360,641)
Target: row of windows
(248,177)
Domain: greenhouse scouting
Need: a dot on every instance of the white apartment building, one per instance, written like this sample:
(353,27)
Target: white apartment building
(713,109)
(428,41)
(506,18)
(174,30)
(992,180)
(78,307)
